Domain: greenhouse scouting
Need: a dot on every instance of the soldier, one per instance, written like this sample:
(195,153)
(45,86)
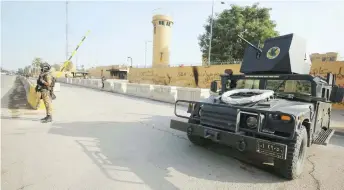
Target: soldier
(103,80)
(45,82)
(233,83)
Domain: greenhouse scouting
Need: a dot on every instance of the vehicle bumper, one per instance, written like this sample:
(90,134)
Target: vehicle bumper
(236,140)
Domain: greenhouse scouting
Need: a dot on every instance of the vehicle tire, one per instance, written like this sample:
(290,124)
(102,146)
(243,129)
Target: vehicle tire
(292,167)
(197,140)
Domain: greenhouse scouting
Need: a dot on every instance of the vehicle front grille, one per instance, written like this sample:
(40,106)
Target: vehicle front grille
(219,117)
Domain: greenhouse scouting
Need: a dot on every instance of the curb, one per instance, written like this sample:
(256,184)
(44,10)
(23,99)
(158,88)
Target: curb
(338,132)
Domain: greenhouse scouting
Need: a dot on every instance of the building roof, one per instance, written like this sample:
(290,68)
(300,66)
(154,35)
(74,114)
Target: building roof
(79,72)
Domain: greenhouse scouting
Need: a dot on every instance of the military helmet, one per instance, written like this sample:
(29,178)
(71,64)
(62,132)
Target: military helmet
(45,67)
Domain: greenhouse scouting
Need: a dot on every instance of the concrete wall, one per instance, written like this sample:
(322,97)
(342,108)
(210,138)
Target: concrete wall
(184,77)
(322,68)
(179,76)
(337,68)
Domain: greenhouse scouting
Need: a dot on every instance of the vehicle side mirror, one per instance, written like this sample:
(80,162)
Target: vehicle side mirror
(337,94)
(213,86)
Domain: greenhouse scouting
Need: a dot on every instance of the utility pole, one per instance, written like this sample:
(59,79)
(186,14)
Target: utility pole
(211,31)
(146,52)
(66,30)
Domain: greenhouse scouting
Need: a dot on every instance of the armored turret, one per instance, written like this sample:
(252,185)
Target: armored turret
(280,55)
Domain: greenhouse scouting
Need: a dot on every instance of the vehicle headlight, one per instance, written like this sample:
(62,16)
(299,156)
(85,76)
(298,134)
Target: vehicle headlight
(252,122)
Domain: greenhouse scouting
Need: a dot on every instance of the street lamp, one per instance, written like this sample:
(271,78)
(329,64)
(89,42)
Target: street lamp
(146,42)
(211,29)
(131,61)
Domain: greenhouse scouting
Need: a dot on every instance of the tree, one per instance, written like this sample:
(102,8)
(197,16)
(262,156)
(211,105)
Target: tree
(56,66)
(36,63)
(27,70)
(251,22)
(20,71)
(69,67)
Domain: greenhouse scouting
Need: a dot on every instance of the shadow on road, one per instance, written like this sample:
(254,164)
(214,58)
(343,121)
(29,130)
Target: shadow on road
(15,98)
(17,117)
(337,140)
(156,154)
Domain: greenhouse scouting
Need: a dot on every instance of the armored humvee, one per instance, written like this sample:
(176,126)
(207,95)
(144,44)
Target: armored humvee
(274,109)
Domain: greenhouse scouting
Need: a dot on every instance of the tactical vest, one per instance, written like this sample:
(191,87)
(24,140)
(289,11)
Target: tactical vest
(42,86)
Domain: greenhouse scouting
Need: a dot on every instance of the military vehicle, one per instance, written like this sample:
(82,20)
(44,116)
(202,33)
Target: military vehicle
(274,109)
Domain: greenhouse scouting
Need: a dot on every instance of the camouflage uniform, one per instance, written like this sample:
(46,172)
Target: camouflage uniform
(46,95)
(44,81)
(103,80)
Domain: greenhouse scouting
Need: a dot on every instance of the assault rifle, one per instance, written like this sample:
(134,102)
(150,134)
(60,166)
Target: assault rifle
(40,85)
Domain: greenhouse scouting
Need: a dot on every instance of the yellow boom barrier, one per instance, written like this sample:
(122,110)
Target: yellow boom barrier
(61,72)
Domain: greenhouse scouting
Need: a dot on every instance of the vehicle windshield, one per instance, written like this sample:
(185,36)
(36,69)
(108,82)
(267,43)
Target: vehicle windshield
(302,87)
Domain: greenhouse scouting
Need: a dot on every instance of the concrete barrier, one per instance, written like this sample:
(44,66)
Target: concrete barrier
(120,87)
(161,93)
(108,86)
(33,99)
(139,90)
(192,94)
(57,87)
(156,92)
(96,83)
(164,93)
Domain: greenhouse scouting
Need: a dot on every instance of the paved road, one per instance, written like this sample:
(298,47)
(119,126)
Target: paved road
(101,140)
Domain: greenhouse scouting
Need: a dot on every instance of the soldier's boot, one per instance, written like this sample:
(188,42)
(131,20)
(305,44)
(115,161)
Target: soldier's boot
(44,118)
(47,119)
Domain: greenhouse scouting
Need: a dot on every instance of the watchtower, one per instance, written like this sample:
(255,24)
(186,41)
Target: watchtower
(161,40)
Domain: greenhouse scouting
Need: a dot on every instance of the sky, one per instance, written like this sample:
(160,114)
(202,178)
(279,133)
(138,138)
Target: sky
(120,28)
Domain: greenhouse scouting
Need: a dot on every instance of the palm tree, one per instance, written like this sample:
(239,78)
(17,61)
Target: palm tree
(36,63)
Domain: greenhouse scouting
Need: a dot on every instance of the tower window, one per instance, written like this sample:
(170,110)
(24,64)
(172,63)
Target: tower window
(154,29)
(161,22)
(161,53)
(168,23)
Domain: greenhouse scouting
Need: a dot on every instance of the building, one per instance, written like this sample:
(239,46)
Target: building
(109,72)
(325,57)
(161,40)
